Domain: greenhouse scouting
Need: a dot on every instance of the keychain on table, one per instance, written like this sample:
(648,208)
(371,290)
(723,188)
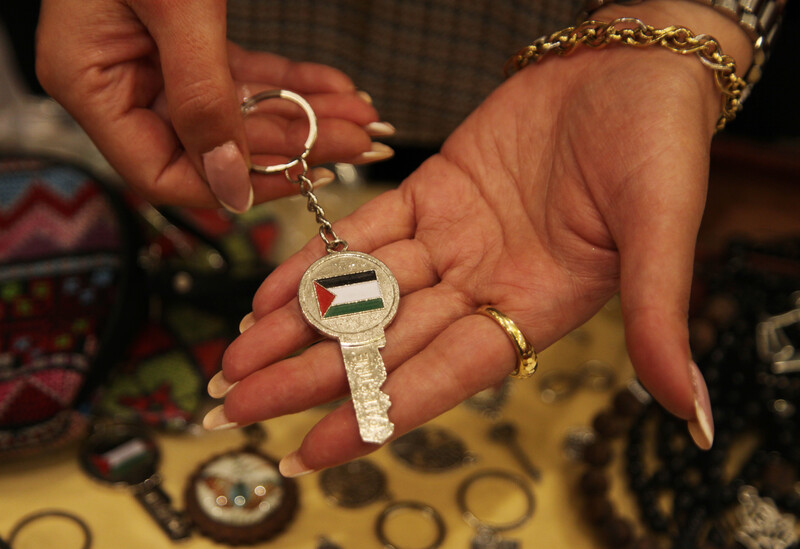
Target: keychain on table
(487,535)
(125,455)
(346,295)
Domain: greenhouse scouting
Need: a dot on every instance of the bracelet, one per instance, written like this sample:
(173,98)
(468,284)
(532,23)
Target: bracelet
(760,19)
(598,34)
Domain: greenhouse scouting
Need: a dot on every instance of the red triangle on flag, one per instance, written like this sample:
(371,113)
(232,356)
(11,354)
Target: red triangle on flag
(324,298)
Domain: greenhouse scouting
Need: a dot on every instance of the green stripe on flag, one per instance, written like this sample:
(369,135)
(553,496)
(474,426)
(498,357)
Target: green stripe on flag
(355,307)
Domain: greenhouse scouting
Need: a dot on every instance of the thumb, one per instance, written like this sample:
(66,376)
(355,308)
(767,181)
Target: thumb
(201,95)
(656,272)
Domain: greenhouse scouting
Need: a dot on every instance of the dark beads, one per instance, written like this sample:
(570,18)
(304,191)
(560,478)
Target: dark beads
(598,453)
(609,425)
(618,531)
(722,310)
(702,336)
(594,482)
(627,405)
(645,542)
(598,509)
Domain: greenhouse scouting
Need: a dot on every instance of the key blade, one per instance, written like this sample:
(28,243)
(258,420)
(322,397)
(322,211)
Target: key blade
(366,374)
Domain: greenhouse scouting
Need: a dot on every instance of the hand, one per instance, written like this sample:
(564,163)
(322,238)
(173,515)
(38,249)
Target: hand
(576,178)
(157,88)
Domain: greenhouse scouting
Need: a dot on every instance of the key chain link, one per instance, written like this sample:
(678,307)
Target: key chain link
(332,241)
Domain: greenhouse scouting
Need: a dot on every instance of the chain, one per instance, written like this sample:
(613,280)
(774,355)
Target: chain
(332,241)
(598,34)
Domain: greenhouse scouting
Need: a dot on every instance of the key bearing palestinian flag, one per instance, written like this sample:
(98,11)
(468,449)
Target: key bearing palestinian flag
(348,294)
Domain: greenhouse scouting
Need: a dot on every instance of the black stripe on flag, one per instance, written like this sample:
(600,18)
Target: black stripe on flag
(342,280)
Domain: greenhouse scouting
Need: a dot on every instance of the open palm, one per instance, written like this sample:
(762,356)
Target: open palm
(576,179)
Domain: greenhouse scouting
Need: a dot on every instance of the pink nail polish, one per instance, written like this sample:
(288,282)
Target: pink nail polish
(229,177)
(292,466)
(701,428)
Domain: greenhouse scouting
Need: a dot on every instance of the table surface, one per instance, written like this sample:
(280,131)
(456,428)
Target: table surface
(54,480)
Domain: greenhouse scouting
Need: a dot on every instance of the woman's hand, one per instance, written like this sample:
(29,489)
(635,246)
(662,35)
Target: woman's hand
(577,178)
(157,87)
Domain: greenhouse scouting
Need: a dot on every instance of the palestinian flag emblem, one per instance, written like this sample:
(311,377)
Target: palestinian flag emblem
(348,294)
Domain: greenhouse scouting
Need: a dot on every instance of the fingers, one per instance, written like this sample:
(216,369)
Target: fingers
(383,220)
(200,92)
(435,380)
(304,78)
(656,273)
(318,376)
(286,329)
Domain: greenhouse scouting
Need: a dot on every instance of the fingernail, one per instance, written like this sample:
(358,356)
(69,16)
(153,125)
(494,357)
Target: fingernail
(229,177)
(247,322)
(321,177)
(701,428)
(216,420)
(292,466)
(380,129)
(377,152)
(218,386)
(367,98)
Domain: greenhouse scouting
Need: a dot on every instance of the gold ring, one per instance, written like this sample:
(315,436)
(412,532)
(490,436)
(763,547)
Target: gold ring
(526,354)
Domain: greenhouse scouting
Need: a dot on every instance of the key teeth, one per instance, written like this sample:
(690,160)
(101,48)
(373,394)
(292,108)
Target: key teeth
(377,428)
(372,436)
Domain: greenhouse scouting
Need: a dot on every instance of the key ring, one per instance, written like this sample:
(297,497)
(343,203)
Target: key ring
(426,510)
(26,521)
(470,517)
(249,104)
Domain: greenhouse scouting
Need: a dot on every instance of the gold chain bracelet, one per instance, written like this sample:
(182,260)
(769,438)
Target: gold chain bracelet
(599,34)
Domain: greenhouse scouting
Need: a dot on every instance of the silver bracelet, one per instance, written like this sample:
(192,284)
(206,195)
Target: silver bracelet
(760,19)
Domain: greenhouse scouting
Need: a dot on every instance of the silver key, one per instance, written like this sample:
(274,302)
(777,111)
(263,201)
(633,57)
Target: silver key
(352,297)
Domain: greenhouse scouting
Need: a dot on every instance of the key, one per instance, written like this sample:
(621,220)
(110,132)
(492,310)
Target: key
(352,297)
(506,433)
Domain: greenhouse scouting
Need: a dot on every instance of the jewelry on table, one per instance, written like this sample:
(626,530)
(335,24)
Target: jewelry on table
(761,524)
(487,533)
(557,385)
(126,456)
(686,497)
(431,450)
(505,433)
(25,523)
(425,510)
(491,400)
(354,484)
(240,497)
(348,296)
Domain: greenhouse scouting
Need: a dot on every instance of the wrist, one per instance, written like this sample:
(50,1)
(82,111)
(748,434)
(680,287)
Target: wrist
(699,18)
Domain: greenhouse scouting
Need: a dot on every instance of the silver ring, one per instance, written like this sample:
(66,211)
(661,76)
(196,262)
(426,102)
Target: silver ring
(25,521)
(477,523)
(247,107)
(426,510)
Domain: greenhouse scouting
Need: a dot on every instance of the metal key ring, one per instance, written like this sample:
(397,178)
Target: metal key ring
(426,510)
(516,480)
(247,107)
(25,521)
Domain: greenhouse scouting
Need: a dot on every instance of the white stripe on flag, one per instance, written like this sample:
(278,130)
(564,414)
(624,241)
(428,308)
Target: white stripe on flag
(355,292)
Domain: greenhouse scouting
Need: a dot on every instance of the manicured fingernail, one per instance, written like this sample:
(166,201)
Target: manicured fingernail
(321,177)
(229,177)
(292,466)
(701,428)
(218,386)
(216,420)
(247,322)
(380,129)
(367,98)
(377,152)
